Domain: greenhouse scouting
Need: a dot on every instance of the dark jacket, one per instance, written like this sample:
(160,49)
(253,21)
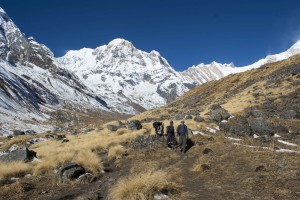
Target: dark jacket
(170,130)
(182,130)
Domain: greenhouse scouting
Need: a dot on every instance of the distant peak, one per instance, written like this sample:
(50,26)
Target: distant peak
(1,10)
(153,52)
(118,41)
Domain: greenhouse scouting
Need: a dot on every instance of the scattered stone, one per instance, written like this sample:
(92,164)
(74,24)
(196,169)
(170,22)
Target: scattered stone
(19,155)
(65,140)
(198,119)
(70,171)
(179,117)
(86,178)
(29,132)
(188,117)
(135,125)
(112,127)
(18,132)
(215,107)
(36,140)
(260,168)
(56,137)
(205,167)
(265,138)
(208,152)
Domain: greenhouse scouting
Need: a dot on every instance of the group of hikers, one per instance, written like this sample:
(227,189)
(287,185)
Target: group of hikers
(182,132)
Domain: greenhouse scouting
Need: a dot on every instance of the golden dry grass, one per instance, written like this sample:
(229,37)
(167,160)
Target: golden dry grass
(117,151)
(142,186)
(14,169)
(81,149)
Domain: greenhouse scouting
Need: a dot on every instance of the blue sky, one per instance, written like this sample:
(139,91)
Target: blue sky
(185,32)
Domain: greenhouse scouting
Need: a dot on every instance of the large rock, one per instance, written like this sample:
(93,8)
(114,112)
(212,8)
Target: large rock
(135,125)
(18,132)
(237,125)
(198,119)
(70,171)
(18,155)
(219,114)
(112,127)
(259,126)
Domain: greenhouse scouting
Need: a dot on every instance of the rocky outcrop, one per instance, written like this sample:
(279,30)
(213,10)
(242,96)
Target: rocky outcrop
(69,171)
(217,113)
(135,125)
(23,155)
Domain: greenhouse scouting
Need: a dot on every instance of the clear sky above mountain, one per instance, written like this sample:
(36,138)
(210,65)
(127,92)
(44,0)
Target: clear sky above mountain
(185,32)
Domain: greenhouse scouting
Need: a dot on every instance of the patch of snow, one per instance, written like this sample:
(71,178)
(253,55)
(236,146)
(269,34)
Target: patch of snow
(276,135)
(287,151)
(255,136)
(235,139)
(160,196)
(198,132)
(13,148)
(287,143)
(211,130)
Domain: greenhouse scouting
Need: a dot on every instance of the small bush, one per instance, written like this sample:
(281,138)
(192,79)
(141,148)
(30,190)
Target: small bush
(142,186)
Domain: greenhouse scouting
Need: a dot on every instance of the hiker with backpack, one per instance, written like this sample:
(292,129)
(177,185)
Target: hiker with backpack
(182,131)
(171,140)
(159,130)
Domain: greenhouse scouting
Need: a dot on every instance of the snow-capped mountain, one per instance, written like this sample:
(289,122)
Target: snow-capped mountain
(129,79)
(206,72)
(31,82)
(203,73)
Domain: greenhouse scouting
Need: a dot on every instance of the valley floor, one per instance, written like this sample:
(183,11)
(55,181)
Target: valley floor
(213,168)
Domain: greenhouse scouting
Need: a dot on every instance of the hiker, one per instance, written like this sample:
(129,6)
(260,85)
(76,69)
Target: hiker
(182,131)
(159,129)
(171,140)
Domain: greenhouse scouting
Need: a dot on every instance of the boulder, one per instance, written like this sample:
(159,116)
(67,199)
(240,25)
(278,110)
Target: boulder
(70,171)
(219,114)
(237,125)
(24,155)
(208,151)
(112,127)
(179,117)
(265,138)
(215,106)
(198,119)
(259,126)
(86,178)
(188,117)
(135,125)
(18,132)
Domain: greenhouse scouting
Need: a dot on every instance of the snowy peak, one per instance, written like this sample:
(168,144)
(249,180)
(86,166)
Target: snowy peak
(126,76)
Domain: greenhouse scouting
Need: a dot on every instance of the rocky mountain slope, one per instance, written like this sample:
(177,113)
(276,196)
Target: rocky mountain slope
(32,85)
